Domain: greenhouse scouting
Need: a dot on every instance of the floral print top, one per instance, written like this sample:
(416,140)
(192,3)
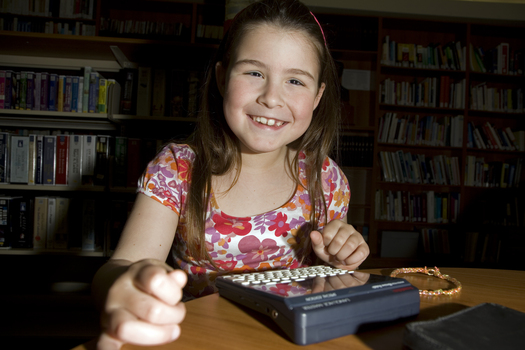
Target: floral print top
(277,239)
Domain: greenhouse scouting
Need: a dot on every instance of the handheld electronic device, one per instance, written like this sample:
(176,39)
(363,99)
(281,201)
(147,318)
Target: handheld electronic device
(318,303)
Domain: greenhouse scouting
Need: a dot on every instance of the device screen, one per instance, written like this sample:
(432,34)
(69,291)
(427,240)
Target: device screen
(319,284)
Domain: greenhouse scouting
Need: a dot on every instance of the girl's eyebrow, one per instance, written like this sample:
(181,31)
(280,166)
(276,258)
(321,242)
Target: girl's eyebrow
(295,71)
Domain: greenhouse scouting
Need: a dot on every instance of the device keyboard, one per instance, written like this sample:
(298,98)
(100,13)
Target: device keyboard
(283,276)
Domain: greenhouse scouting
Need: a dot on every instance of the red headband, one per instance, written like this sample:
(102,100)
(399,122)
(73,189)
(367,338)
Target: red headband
(319,24)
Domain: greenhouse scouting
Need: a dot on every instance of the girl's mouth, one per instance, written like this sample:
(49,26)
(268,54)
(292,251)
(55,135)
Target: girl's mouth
(268,121)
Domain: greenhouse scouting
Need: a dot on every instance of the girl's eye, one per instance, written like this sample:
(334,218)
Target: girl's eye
(296,82)
(254,74)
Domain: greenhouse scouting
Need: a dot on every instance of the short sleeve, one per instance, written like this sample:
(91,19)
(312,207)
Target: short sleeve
(336,190)
(166,178)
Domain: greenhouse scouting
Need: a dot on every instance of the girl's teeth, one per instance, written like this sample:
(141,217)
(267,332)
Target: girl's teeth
(269,122)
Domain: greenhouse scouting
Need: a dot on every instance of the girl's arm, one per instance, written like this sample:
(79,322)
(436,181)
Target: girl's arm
(137,292)
(340,245)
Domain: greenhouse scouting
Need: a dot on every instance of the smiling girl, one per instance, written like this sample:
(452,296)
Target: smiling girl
(252,189)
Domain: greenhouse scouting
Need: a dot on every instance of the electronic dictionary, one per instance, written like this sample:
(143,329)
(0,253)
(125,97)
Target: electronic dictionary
(318,303)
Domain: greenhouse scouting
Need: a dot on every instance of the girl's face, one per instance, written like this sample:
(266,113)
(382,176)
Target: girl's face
(270,89)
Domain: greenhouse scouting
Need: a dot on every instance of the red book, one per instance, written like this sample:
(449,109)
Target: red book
(490,137)
(62,156)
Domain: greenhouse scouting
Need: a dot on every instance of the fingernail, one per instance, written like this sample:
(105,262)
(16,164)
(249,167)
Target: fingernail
(175,334)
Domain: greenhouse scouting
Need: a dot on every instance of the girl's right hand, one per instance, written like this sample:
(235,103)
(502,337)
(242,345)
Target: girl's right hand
(143,306)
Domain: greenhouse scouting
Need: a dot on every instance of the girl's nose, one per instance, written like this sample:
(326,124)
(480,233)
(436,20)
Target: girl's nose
(271,95)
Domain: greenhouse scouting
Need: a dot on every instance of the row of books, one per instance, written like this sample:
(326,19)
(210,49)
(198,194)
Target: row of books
(487,136)
(501,59)
(48,27)
(51,223)
(436,241)
(411,168)
(425,130)
(208,31)
(482,247)
(74,160)
(148,91)
(42,91)
(356,150)
(50,8)
(503,174)
(450,56)
(496,99)
(425,93)
(425,207)
(137,29)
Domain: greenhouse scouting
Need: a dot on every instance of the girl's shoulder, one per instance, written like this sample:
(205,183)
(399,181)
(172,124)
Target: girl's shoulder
(174,152)
(329,165)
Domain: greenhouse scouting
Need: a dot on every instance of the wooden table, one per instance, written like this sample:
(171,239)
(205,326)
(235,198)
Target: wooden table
(215,323)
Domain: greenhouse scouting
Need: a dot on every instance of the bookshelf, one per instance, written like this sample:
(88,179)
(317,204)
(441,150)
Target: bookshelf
(33,48)
(426,113)
(414,88)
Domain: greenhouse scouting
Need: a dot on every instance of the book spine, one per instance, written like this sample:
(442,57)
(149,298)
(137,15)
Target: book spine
(61,223)
(44,91)
(102,160)
(61,93)
(62,155)
(74,93)
(40,223)
(53,92)
(144,91)
(102,95)
(75,160)
(23,235)
(30,90)
(93,92)
(86,89)
(9,89)
(37,92)
(80,95)
(4,157)
(51,222)
(32,160)
(88,158)
(6,233)
(2,88)
(49,160)
(19,159)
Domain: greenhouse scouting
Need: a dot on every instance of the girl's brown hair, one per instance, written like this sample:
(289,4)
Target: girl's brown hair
(217,148)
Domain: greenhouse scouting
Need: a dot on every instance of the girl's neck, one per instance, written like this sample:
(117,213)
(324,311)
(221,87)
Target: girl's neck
(262,162)
(264,179)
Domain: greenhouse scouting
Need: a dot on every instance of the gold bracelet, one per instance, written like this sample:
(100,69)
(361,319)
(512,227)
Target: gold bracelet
(431,272)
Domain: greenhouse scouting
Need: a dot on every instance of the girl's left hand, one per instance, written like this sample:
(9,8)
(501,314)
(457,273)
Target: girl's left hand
(340,245)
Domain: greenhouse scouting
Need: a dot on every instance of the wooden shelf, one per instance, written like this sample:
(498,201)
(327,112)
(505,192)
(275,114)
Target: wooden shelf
(31,251)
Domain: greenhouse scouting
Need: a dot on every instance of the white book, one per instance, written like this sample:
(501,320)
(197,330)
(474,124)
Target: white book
(51,222)
(19,162)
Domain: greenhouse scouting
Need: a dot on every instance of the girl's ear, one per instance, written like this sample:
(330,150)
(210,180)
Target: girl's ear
(319,95)
(220,76)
